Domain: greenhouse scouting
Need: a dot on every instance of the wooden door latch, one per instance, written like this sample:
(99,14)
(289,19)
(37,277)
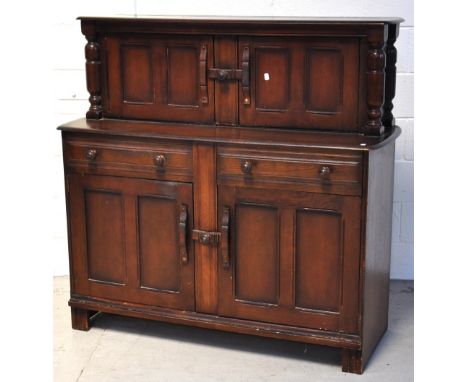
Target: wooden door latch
(214,238)
(224,74)
(206,237)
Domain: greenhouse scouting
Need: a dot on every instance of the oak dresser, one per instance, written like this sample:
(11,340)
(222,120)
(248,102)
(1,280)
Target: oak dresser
(236,174)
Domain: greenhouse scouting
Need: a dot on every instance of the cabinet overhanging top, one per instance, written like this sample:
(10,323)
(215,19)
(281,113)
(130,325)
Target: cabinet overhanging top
(267,25)
(248,19)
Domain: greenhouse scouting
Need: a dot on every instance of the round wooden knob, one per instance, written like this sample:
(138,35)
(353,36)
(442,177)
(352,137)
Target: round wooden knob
(324,171)
(160,161)
(223,75)
(246,166)
(91,154)
(205,238)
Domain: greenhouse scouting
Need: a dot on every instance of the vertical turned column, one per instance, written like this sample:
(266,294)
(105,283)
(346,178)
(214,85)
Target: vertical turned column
(375,81)
(93,70)
(390,76)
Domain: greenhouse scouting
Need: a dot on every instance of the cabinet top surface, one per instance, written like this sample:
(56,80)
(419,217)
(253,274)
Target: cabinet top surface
(230,134)
(247,19)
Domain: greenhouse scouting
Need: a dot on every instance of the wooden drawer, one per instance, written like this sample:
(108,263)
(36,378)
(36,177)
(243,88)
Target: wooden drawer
(325,171)
(132,158)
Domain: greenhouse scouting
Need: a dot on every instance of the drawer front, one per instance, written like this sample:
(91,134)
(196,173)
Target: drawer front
(325,171)
(153,160)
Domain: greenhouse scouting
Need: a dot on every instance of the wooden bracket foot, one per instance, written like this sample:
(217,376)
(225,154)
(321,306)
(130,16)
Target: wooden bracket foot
(80,319)
(351,361)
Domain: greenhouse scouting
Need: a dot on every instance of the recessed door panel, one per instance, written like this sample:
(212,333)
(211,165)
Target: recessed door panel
(318,264)
(272,78)
(129,240)
(293,257)
(137,76)
(104,214)
(257,253)
(182,75)
(159,259)
(323,80)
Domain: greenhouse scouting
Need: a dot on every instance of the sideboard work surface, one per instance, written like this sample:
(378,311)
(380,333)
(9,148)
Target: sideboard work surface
(236,174)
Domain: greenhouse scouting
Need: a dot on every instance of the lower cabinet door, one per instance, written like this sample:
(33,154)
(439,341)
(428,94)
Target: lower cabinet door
(129,240)
(289,257)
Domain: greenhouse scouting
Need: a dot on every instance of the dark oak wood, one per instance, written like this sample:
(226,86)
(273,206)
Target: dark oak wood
(390,75)
(375,81)
(93,71)
(80,319)
(333,171)
(159,78)
(210,321)
(376,264)
(125,240)
(205,219)
(226,106)
(251,137)
(351,361)
(129,157)
(163,69)
(307,83)
(295,258)
(236,174)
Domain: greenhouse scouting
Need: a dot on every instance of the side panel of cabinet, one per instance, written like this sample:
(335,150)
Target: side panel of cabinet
(293,258)
(310,83)
(128,238)
(162,78)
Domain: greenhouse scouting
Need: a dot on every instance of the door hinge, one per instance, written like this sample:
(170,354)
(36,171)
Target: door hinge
(205,237)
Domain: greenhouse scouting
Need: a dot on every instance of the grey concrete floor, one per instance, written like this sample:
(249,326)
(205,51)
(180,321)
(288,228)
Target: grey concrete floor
(136,350)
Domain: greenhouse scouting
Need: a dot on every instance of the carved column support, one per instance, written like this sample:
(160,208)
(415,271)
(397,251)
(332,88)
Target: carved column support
(390,76)
(93,72)
(375,82)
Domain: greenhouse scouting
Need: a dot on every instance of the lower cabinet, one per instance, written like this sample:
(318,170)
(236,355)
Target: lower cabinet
(291,257)
(272,241)
(129,240)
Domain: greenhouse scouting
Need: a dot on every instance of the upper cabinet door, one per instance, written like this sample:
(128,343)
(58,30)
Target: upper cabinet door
(303,82)
(159,78)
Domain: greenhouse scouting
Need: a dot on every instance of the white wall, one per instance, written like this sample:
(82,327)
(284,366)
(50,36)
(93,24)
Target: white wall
(70,95)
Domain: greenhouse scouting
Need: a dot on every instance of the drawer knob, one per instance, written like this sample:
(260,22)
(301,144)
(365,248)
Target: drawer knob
(160,161)
(246,166)
(205,238)
(91,154)
(324,171)
(223,75)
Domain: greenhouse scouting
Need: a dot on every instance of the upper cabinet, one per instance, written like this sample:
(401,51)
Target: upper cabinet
(299,73)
